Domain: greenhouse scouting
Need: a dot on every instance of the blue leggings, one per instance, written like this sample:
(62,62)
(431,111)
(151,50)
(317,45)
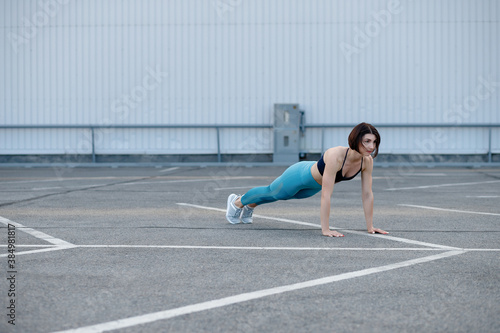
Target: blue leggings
(295,183)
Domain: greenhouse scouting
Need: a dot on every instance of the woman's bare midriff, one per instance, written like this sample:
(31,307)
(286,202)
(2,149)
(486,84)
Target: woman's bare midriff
(316,175)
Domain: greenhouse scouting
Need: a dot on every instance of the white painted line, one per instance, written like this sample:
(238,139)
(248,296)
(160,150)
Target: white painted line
(483,196)
(169,169)
(54,248)
(45,188)
(67,187)
(245,297)
(249,248)
(27,245)
(289,221)
(252,186)
(62,179)
(274,248)
(36,233)
(449,210)
(236,188)
(260,248)
(201,207)
(188,180)
(31,181)
(428,174)
(403,240)
(255,215)
(397,239)
(441,185)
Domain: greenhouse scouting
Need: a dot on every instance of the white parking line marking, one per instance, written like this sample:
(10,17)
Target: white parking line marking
(36,233)
(61,180)
(169,169)
(397,239)
(236,188)
(46,248)
(275,248)
(245,297)
(27,245)
(187,180)
(262,248)
(53,248)
(66,187)
(449,210)
(483,196)
(441,185)
(427,174)
(403,240)
(483,250)
(255,215)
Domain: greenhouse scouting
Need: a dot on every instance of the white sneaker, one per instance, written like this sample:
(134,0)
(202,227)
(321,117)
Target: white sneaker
(246,215)
(233,213)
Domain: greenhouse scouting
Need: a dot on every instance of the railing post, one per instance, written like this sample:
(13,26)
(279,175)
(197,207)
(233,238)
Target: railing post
(93,145)
(322,140)
(219,158)
(489,145)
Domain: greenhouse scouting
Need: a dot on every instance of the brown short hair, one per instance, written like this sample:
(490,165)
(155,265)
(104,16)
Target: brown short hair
(357,134)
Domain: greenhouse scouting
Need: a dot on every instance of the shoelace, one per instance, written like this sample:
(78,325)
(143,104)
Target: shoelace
(247,212)
(237,212)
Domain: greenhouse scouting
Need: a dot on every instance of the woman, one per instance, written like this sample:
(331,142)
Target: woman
(304,179)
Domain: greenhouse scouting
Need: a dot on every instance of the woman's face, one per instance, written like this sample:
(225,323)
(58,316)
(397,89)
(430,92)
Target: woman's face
(368,144)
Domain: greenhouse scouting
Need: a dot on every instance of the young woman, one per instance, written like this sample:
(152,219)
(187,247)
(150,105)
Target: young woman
(305,179)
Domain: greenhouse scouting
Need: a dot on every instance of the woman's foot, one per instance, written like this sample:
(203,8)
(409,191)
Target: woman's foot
(233,213)
(246,215)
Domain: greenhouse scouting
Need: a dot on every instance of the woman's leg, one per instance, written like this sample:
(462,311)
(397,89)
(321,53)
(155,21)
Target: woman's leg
(306,193)
(293,183)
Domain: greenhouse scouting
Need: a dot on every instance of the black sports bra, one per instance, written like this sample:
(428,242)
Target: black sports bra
(338,177)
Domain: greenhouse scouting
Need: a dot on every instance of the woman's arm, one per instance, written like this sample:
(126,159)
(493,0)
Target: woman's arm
(367,195)
(326,193)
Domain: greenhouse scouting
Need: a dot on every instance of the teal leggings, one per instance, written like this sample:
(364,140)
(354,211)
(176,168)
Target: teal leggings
(295,183)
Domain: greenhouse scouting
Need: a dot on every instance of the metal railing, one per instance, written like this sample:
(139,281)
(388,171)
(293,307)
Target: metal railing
(323,127)
(489,126)
(93,128)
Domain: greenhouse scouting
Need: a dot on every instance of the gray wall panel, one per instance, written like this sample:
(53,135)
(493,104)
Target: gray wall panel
(228,62)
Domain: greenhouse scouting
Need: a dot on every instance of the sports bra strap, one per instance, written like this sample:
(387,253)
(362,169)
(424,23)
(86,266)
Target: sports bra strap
(345,157)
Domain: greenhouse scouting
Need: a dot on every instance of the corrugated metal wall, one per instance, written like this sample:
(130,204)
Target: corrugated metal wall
(228,61)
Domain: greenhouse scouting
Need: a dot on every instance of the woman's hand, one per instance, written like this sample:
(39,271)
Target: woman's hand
(377,231)
(332,233)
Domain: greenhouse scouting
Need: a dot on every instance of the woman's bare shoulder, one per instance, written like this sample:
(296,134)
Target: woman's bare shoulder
(339,150)
(368,163)
(334,154)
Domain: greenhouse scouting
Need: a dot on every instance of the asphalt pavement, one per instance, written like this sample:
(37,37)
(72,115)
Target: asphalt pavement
(149,250)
